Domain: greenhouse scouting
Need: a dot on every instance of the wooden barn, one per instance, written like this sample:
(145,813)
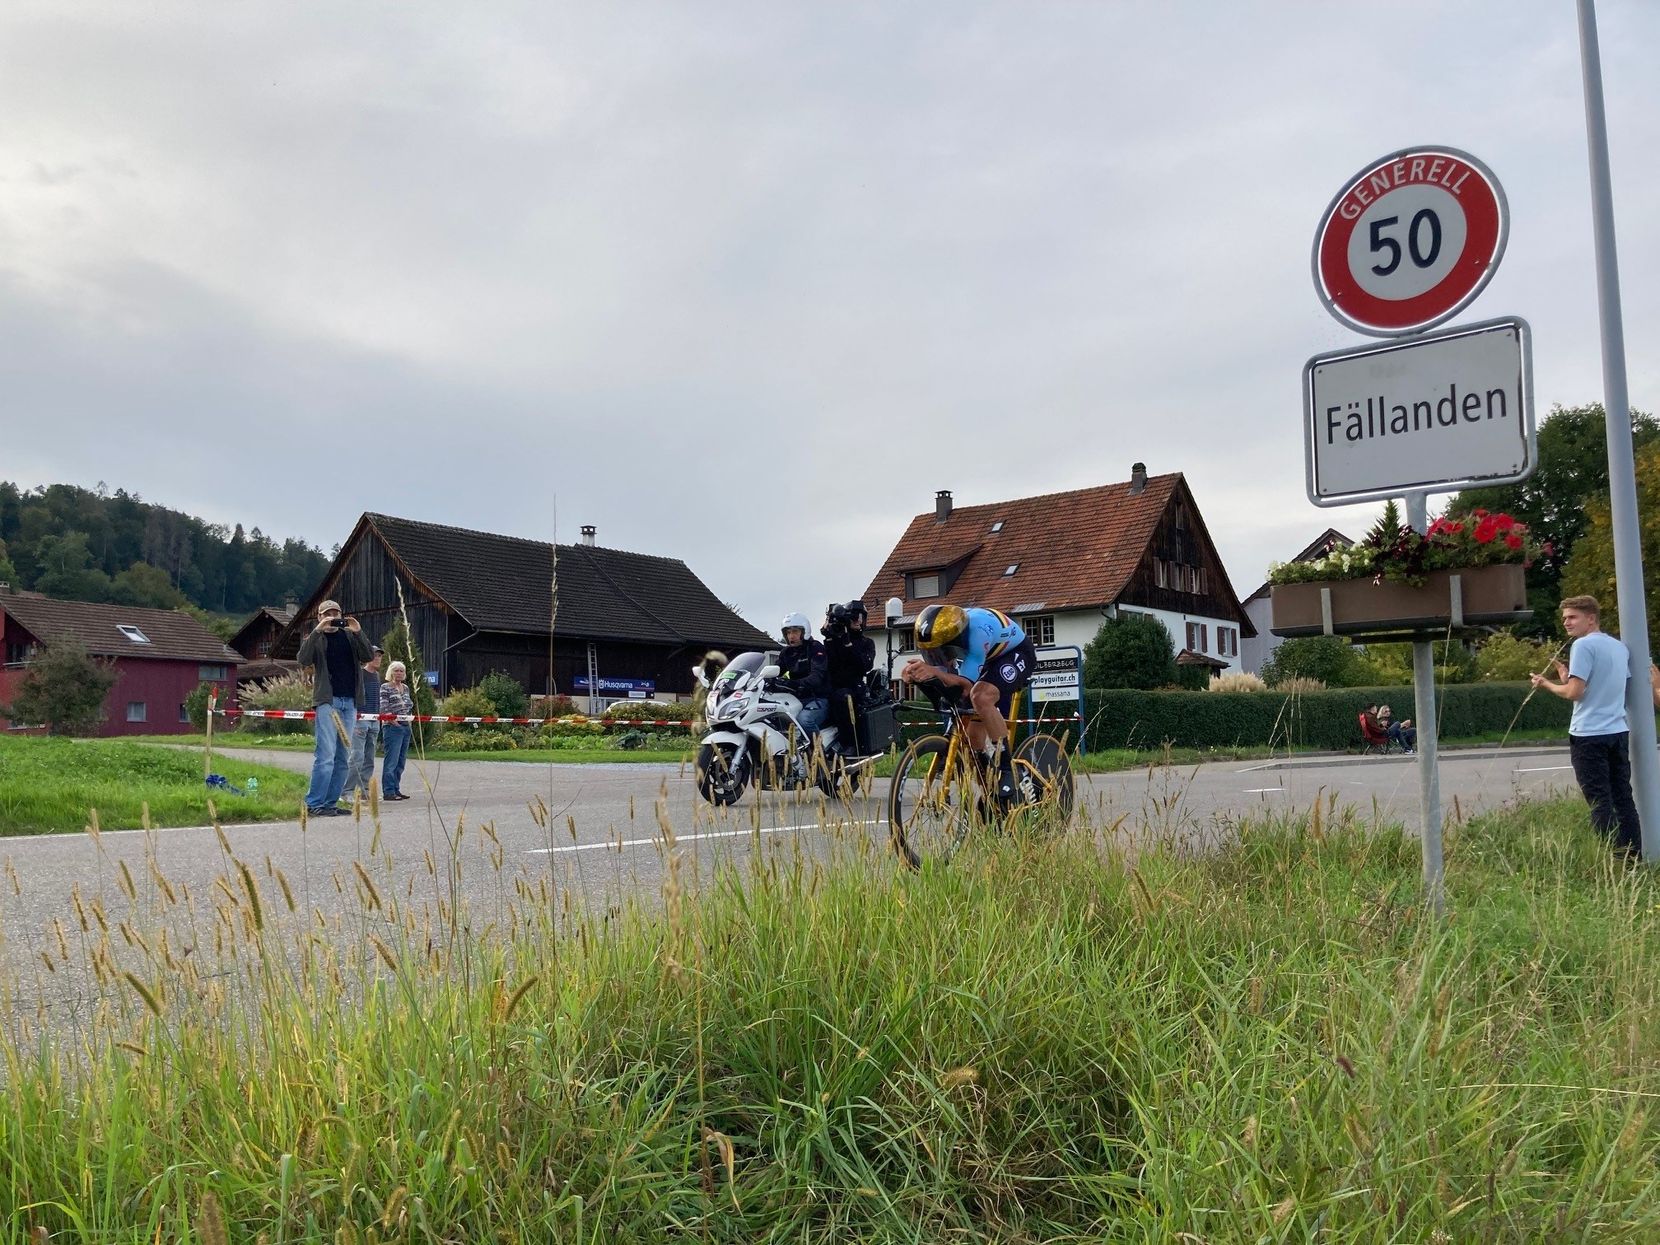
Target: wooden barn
(628,624)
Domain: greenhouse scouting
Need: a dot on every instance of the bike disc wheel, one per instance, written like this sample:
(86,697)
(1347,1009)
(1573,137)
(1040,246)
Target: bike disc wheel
(1043,758)
(927,818)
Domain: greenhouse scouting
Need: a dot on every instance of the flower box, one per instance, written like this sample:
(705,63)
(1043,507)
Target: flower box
(1447,601)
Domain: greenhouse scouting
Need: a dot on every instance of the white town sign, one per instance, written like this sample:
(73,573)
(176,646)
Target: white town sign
(1435,413)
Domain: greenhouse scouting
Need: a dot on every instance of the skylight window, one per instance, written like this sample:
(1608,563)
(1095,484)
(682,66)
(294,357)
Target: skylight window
(132,633)
(997,526)
(1013,567)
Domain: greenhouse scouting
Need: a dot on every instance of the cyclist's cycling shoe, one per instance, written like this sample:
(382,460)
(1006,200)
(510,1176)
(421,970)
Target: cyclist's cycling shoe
(1008,791)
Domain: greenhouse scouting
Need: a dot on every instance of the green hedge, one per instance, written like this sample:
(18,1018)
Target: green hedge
(1135,719)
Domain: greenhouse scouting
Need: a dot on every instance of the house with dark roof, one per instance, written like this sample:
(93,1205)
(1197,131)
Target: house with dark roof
(1256,651)
(160,655)
(1062,562)
(257,638)
(589,622)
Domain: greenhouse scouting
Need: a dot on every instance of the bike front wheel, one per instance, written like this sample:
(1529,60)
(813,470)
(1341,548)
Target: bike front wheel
(928,805)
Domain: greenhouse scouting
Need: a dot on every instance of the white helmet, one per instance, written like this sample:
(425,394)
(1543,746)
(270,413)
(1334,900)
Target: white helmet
(795,620)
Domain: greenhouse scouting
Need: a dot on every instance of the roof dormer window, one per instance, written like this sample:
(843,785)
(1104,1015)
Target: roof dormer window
(997,526)
(132,633)
(1012,568)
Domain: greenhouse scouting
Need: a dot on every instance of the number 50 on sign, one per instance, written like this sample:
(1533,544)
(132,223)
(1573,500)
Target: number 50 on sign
(1410,241)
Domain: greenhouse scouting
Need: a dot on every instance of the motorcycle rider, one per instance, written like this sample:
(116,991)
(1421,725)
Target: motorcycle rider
(803,670)
(852,655)
(983,657)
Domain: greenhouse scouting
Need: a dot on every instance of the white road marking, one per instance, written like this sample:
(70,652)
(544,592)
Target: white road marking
(1542,769)
(1261,790)
(1251,769)
(614,845)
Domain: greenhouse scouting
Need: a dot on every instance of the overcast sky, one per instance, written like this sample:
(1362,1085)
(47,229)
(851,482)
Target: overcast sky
(744,284)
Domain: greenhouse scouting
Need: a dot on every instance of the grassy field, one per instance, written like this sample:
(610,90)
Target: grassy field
(52,784)
(1048,1040)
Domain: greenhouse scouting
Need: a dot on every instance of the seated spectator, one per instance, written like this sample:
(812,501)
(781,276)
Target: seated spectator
(1402,733)
(1371,730)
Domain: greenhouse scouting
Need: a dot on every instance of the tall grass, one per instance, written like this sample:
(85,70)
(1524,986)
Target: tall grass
(1053,1039)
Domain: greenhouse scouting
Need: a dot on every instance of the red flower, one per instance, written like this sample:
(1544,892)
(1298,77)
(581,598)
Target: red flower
(1485,531)
(1513,540)
(1478,513)
(1505,522)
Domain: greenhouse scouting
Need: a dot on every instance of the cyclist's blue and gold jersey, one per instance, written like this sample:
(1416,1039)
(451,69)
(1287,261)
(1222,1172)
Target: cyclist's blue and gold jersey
(991,633)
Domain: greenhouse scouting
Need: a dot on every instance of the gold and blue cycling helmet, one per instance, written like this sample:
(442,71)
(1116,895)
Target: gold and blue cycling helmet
(942,632)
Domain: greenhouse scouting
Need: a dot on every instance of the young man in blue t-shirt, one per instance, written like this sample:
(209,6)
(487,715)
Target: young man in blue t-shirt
(1599,734)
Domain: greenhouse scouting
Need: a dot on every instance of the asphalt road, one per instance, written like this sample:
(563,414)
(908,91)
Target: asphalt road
(484,832)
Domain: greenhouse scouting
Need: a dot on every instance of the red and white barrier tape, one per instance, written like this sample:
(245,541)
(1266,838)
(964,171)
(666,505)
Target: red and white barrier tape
(307,715)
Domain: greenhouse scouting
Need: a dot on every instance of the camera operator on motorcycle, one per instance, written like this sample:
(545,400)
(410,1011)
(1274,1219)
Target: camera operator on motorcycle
(852,655)
(803,668)
(983,657)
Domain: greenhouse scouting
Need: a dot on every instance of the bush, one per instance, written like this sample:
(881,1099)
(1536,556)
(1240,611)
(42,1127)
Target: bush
(196,706)
(1130,651)
(1121,718)
(552,707)
(1236,681)
(397,646)
(1328,658)
(1382,665)
(1509,658)
(649,710)
(1193,678)
(478,739)
(505,694)
(288,691)
(1298,686)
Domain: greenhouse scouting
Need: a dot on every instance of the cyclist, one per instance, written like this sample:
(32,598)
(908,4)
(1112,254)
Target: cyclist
(985,657)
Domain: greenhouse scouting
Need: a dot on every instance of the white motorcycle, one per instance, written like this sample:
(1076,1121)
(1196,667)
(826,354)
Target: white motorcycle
(755,735)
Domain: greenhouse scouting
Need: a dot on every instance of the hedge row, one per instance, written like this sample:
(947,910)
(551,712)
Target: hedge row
(1134,719)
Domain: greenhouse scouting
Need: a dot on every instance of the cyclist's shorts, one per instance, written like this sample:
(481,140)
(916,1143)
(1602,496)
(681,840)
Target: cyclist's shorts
(1009,673)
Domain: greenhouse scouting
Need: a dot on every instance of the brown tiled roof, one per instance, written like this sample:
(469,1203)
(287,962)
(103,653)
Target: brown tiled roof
(1070,550)
(171,635)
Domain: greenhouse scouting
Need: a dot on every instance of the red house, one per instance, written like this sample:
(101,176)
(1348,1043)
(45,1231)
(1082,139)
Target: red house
(161,656)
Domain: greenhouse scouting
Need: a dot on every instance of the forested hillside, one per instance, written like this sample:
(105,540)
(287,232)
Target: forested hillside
(94,545)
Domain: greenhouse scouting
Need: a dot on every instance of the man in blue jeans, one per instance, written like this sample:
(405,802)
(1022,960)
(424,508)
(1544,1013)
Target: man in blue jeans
(335,650)
(1598,734)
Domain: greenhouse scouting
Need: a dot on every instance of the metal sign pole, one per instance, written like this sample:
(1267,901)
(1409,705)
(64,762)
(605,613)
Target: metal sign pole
(1622,477)
(1423,705)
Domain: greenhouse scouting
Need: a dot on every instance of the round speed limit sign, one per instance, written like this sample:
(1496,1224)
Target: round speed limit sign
(1410,241)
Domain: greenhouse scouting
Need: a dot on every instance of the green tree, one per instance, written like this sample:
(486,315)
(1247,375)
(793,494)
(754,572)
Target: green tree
(8,572)
(196,704)
(63,689)
(66,570)
(396,645)
(145,585)
(1573,469)
(1328,658)
(1591,568)
(1132,650)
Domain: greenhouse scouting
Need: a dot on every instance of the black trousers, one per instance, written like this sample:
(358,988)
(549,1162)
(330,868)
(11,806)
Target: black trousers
(1602,764)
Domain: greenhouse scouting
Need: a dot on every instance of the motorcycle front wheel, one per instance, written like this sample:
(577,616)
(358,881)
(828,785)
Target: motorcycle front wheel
(722,773)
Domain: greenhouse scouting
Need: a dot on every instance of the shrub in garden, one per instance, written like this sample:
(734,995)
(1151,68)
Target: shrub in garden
(1133,650)
(1328,658)
(1510,658)
(505,694)
(1297,685)
(196,708)
(650,710)
(1322,718)
(552,707)
(288,691)
(1236,681)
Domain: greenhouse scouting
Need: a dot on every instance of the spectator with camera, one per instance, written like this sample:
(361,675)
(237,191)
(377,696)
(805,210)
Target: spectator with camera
(336,652)
(850,655)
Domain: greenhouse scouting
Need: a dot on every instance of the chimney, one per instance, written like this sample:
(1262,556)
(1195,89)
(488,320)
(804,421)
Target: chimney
(1138,478)
(588,533)
(942,505)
